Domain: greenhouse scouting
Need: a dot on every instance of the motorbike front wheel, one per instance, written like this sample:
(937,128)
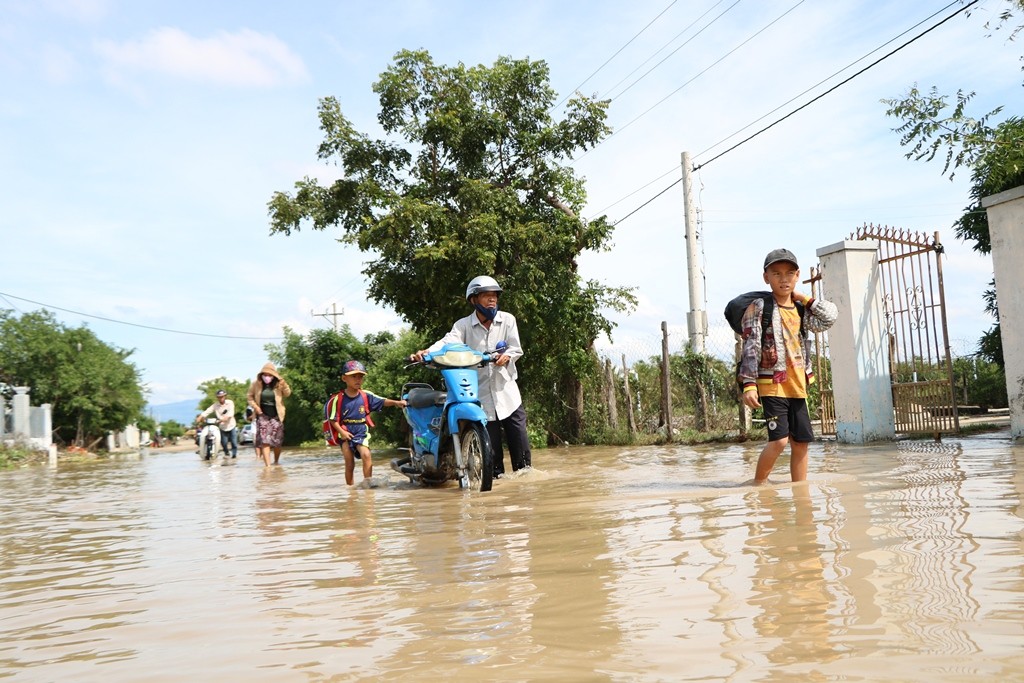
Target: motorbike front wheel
(478,456)
(209,448)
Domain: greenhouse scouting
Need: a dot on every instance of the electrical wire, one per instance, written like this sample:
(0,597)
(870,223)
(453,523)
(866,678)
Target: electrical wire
(147,327)
(685,43)
(828,78)
(841,83)
(649,24)
(703,71)
(658,51)
(698,75)
(697,167)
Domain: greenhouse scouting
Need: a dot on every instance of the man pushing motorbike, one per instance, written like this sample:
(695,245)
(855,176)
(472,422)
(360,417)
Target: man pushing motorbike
(483,330)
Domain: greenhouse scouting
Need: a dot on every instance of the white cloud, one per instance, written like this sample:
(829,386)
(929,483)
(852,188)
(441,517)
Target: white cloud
(244,58)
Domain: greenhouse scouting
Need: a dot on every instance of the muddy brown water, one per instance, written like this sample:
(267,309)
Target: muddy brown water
(894,563)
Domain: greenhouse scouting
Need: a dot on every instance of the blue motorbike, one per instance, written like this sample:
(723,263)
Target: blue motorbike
(449,440)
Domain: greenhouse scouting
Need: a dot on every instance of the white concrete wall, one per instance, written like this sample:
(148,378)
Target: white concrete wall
(1006,229)
(858,342)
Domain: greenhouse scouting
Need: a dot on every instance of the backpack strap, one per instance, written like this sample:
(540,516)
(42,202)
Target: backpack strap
(366,402)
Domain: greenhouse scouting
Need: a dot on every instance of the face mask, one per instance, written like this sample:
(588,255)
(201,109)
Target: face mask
(488,313)
(267,379)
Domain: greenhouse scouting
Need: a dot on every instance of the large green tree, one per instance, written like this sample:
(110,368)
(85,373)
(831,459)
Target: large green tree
(92,386)
(472,178)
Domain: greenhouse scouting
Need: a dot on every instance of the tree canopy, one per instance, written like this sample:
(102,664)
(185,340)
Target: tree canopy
(472,178)
(91,385)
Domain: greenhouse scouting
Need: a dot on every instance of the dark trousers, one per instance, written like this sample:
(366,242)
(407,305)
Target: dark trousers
(229,437)
(514,429)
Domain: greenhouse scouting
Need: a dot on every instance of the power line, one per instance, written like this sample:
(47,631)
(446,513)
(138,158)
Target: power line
(827,78)
(148,327)
(691,80)
(658,51)
(649,24)
(705,70)
(643,187)
(685,43)
(841,83)
(830,90)
(648,201)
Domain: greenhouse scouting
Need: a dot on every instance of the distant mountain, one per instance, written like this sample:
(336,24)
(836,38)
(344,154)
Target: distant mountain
(183,412)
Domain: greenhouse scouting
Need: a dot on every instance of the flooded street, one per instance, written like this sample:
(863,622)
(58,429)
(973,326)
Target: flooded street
(895,563)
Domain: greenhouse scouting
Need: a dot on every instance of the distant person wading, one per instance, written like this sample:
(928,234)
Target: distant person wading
(266,397)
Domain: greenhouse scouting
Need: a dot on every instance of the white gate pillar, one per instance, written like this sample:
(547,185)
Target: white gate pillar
(20,413)
(1006,231)
(858,342)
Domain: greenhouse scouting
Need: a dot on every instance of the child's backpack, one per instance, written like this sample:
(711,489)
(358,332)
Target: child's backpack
(332,407)
(735,309)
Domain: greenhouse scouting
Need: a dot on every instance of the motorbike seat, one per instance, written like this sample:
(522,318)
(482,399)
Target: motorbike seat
(424,398)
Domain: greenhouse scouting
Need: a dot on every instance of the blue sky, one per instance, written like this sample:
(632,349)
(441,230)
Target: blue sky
(141,141)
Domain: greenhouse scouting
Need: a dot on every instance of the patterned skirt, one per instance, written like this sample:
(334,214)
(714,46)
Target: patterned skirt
(269,432)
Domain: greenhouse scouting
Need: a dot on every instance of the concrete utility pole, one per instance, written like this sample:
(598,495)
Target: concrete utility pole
(696,318)
(333,316)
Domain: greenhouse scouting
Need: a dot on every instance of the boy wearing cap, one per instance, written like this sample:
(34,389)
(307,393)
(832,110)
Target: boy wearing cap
(224,408)
(349,418)
(774,367)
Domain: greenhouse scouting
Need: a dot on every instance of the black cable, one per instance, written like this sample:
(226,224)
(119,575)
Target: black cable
(705,70)
(616,54)
(148,327)
(701,73)
(826,79)
(876,62)
(841,83)
(685,43)
(624,78)
(648,202)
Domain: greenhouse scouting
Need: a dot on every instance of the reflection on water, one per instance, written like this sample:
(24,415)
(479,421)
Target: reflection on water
(602,564)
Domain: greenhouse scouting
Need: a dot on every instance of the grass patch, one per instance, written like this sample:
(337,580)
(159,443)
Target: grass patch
(16,455)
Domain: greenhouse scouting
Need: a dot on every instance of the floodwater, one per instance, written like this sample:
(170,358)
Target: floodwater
(894,563)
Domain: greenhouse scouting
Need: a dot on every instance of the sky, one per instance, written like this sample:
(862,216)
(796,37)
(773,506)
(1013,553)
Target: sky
(141,141)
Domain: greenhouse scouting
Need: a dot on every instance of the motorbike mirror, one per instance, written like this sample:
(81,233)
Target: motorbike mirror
(501,346)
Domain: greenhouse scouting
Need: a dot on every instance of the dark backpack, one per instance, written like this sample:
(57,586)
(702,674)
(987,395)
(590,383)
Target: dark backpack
(735,309)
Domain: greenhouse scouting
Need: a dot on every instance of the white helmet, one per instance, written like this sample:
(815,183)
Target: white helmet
(482,283)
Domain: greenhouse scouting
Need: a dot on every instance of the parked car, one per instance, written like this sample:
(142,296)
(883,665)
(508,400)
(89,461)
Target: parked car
(248,433)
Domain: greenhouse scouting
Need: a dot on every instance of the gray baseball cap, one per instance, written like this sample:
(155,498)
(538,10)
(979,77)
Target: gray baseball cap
(776,255)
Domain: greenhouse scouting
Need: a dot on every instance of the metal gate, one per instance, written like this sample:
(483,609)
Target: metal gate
(910,265)
(826,407)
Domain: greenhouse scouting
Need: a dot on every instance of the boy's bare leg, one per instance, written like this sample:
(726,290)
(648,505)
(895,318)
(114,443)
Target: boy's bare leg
(798,461)
(350,462)
(364,454)
(771,452)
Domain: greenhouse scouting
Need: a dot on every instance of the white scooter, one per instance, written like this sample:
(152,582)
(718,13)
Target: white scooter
(209,438)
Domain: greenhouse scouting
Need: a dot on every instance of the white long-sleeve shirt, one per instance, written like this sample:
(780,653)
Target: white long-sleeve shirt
(499,393)
(225,412)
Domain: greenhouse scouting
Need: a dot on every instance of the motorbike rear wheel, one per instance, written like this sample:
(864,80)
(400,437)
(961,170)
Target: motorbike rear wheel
(478,456)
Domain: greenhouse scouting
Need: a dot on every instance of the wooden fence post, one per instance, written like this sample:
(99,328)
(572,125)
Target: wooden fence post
(613,408)
(666,394)
(631,418)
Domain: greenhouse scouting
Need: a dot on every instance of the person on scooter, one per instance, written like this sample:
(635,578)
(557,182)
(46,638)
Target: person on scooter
(482,330)
(224,409)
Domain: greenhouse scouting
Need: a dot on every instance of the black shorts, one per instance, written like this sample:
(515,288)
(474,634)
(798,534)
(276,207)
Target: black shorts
(787,417)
